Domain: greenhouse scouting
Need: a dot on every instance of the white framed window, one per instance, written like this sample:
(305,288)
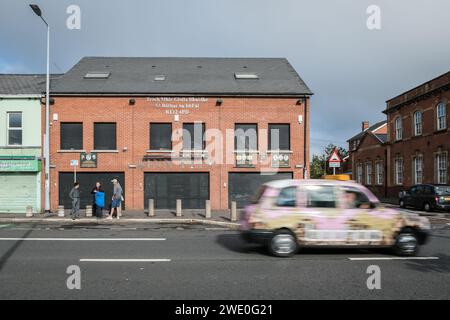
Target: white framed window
(399,171)
(14,128)
(417,123)
(398,128)
(379,172)
(418,169)
(441,167)
(369,173)
(441,116)
(359,173)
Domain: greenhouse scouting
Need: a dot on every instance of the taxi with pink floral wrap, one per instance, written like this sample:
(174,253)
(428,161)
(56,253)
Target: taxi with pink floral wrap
(290,214)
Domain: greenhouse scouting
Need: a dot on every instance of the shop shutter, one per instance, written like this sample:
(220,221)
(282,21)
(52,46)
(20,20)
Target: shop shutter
(17,191)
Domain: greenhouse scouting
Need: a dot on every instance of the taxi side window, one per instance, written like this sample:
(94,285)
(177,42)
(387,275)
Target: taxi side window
(320,197)
(287,197)
(356,199)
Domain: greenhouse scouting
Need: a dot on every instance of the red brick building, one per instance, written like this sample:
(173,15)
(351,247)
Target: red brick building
(178,128)
(417,145)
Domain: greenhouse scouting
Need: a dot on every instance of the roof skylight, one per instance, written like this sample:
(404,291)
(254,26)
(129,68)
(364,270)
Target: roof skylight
(160,77)
(246,75)
(97,75)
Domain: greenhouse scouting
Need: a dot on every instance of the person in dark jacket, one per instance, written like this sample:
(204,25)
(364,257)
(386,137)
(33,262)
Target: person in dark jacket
(74,195)
(98,210)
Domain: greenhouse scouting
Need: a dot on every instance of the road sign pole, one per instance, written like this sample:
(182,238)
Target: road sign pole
(74,164)
(334,170)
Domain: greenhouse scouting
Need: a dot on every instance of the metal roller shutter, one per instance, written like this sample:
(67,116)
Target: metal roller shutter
(87,181)
(165,188)
(243,185)
(17,191)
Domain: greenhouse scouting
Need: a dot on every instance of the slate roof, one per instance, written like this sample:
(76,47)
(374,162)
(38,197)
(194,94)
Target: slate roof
(381,137)
(24,84)
(183,76)
(371,128)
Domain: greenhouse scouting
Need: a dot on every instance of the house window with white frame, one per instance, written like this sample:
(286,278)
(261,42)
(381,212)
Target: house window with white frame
(441,116)
(441,168)
(359,173)
(15,128)
(369,173)
(398,128)
(418,169)
(417,123)
(379,172)
(399,171)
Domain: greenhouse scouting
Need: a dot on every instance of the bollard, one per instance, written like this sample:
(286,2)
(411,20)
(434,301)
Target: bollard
(208,209)
(178,207)
(29,212)
(233,211)
(151,207)
(60,211)
(88,211)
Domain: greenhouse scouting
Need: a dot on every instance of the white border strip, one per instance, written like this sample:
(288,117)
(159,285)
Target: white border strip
(124,260)
(393,258)
(82,239)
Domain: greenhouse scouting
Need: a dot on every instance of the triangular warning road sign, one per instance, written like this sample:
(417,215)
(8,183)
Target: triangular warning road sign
(334,156)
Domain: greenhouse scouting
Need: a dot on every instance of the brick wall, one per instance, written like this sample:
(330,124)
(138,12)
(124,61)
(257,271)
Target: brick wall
(426,144)
(133,134)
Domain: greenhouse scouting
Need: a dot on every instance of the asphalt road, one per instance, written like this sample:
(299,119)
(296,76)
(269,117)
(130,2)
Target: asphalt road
(199,263)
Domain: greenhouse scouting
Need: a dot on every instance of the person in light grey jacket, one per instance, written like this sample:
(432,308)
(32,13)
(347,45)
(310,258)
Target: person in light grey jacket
(117,199)
(74,195)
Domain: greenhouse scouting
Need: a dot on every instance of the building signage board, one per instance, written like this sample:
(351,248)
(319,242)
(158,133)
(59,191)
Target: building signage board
(280,160)
(20,165)
(88,160)
(244,160)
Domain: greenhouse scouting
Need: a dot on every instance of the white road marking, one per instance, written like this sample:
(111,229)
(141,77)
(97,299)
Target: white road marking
(82,239)
(124,260)
(4,225)
(393,258)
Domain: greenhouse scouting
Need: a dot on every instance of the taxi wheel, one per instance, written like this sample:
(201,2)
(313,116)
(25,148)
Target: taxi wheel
(406,243)
(283,244)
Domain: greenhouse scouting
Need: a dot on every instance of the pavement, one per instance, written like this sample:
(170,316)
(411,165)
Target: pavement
(219,218)
(194,261)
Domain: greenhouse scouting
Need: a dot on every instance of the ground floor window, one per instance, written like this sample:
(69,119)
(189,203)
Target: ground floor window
(418,169)
(379,172)
(369,173)
(441,168)
(399,171)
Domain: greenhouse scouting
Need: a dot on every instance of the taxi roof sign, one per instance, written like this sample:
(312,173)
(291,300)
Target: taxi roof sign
(334,156)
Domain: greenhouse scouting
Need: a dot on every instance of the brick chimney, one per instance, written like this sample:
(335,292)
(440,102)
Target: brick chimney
(364,125)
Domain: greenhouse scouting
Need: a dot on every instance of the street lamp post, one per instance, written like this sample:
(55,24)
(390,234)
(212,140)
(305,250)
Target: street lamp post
(38,12)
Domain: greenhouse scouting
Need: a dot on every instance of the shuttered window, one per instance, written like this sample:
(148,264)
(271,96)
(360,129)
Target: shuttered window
(160,136)
(279,137)
(71,136)
(105,136)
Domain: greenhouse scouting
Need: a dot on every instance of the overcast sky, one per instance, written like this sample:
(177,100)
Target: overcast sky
(352,70)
